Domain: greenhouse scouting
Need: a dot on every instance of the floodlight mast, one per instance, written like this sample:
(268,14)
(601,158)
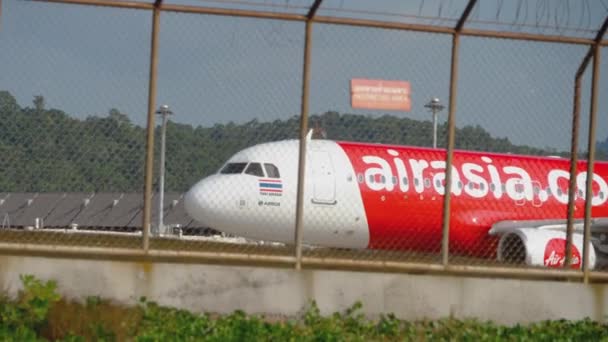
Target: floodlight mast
(435,107)
(164,112)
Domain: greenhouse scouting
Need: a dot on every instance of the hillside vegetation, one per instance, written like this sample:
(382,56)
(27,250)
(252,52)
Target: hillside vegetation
(48,150)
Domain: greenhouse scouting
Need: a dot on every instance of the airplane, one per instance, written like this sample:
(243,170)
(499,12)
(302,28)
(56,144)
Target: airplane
(389,197)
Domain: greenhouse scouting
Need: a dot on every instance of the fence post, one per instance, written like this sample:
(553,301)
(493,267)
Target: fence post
(594,51)
(303,131)
(445,242)
(149,173)
(576,111)
(302,153)
(591,161)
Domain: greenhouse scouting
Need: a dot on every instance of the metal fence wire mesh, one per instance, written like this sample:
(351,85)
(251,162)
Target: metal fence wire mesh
(230,89)
(342,53)
(500,111)
(71,134)
(238,83)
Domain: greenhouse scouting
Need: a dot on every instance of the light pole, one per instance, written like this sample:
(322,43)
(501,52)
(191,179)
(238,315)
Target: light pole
(164,112)
(435,107)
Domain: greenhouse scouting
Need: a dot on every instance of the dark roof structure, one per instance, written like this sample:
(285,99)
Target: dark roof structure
(88,210)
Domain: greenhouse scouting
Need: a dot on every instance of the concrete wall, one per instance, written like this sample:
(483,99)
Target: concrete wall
(287,292)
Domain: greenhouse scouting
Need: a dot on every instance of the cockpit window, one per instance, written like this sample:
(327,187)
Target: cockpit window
(255,169)
(233,168)
(272,171)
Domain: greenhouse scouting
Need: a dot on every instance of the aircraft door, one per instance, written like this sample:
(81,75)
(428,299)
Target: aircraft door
(323,178)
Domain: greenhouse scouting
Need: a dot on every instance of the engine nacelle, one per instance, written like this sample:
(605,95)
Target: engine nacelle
(538,247)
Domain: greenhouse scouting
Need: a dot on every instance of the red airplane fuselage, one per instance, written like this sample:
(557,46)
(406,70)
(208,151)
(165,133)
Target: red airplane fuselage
(402,189)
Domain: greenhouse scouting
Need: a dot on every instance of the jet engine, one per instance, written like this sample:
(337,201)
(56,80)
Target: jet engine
(542,247)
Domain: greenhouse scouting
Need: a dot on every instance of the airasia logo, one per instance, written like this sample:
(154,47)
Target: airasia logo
(479,179)
(555,254)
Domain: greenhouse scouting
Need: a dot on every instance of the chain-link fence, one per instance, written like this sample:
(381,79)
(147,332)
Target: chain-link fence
(71,138)
(235,131)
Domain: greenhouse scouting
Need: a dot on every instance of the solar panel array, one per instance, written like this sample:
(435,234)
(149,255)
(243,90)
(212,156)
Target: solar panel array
(112,211)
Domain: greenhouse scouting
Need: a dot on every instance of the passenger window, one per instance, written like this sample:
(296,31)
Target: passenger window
(272,171)
(405,181)
(255,169)
(233,168)
(427,183)
(360,178)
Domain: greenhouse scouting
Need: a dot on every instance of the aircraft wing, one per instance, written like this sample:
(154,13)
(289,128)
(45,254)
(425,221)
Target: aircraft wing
(598,225)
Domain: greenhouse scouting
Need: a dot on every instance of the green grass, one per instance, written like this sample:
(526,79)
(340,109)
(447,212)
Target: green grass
(40,314)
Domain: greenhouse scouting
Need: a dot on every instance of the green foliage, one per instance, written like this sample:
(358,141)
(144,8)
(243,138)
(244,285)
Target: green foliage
(17,334)
(102,334)
(36,299)
(162,324)
(45,150)
(72,338)
(22,320)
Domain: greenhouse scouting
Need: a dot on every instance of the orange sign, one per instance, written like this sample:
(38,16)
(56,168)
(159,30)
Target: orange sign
(380,94)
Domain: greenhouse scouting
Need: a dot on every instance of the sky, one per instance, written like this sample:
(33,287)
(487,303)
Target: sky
(213,69)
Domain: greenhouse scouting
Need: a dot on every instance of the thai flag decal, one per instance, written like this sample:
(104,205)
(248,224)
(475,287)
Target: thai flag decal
(271,186)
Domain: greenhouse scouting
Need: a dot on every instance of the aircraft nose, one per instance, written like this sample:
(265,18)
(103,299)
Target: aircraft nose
(198,201)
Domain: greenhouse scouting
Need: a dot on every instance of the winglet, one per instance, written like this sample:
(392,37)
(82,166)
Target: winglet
(309,135)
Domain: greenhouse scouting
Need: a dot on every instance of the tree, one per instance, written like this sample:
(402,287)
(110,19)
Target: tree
(38,103)
(603,145)
(119,117)
(8,103)
(602,150)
